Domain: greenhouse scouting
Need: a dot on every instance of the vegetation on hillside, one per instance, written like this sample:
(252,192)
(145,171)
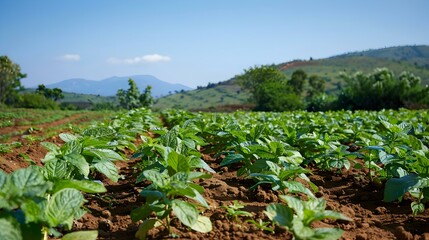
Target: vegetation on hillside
(132,98)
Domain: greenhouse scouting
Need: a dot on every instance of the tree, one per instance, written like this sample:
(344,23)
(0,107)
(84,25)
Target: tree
(132,98)
(146,98)
(254,77)
(269,89)
(297,81)
(10,79)
(54,94)
(316,86)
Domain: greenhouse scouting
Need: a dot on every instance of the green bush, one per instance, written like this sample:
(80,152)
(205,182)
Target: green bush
(33,100)
(382,90)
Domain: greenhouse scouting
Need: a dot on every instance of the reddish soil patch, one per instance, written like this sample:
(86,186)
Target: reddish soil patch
(349,193)
(35,130)
(297,64)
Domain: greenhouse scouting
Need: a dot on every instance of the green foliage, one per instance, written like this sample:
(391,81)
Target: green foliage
(297,81)
(54,94)
(270,89)
(10,80)
(132,98)
(31,205)
(34,100)
(382,90)
(234,211)
(298,216)
(146,98)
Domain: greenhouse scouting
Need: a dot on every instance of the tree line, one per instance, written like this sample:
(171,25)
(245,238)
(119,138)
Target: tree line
(12,92)
(271,90)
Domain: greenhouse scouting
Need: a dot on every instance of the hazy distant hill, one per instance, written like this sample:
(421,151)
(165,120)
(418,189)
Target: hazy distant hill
(109,86)
(406,58)
(417,55)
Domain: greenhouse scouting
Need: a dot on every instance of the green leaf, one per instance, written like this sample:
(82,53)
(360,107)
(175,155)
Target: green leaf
(301,231)
(80,235)
(296,204)
(103,154)
(107,168)
(67,137)
(9,229)
(51,147)
(145,227)
(71,147)
(296,187)
(29,182)
(178,162)
(63,205)
(396,187)
(199,198)
(232,158)
(98,132)
(203,224)
(141,213)
(157,178)
(280,214)
(79,162)
(32,211)
(56,169)
(185,212)
(3,177)
(417,207)
(327,233)
(82,185)
(329,214)
(152,195)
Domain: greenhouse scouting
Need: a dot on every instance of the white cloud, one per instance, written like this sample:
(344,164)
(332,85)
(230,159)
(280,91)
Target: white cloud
(70,57)
(151,58)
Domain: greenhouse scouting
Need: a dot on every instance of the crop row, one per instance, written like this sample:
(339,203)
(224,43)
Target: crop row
(273,149)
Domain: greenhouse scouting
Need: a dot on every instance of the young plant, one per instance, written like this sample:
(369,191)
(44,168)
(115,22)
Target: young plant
(298,216)
(163,199)
(264,226)
(32,207)
(172,179)
(234,211)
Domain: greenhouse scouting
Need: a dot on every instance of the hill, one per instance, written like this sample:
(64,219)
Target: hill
(226,94)
(417,55)
(109,86)
(414,59)
(330,68)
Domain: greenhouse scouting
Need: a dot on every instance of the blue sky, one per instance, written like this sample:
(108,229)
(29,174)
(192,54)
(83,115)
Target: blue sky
(194,42)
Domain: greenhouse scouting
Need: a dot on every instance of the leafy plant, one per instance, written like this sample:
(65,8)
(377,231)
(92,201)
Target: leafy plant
(31,206)
(298,216)
(234,211)
(264,226)
(162,199)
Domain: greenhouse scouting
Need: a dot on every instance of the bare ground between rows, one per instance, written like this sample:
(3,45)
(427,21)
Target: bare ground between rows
(348,192)
(36,129)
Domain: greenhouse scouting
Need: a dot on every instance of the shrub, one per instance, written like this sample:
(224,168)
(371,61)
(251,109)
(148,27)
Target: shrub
(33,100)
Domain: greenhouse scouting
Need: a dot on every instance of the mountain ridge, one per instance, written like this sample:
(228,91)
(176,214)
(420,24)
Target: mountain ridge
(109,86)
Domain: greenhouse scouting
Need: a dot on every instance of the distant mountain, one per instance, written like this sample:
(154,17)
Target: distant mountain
(109,86)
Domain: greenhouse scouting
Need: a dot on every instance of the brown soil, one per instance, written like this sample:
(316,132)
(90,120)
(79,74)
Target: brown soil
(348,192)
(35,130)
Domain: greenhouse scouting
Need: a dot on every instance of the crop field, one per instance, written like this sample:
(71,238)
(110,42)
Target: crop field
(242,175)
(16,123)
